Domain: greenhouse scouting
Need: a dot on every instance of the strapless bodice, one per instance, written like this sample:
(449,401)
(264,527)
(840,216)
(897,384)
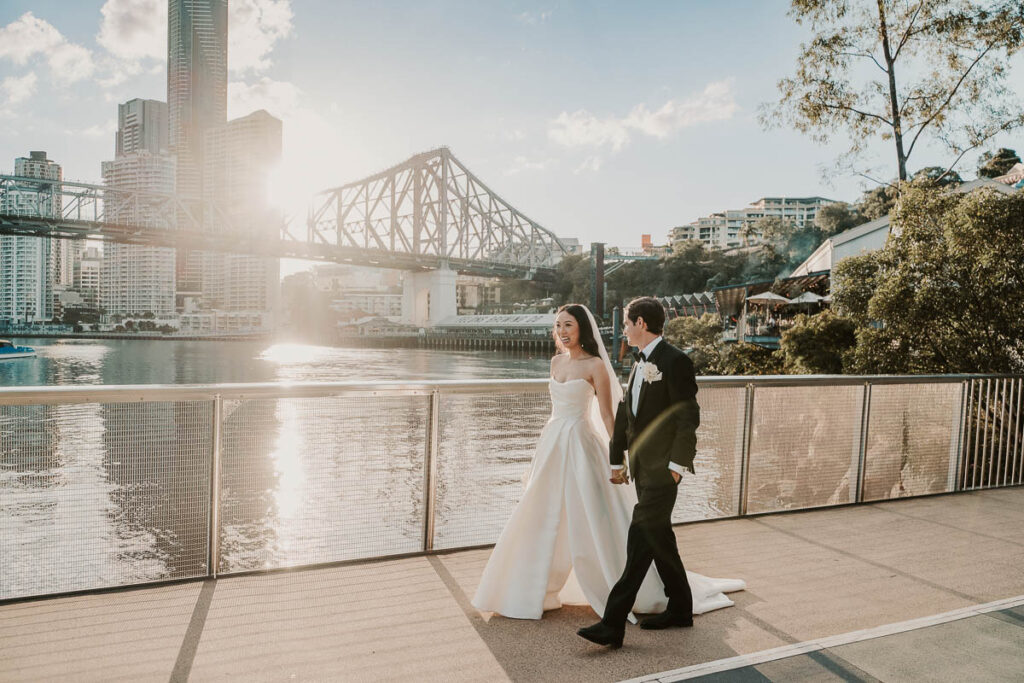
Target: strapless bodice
(570,399)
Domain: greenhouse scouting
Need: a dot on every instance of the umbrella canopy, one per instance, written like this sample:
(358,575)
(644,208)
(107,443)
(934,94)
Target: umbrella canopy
(767,298)
(807,298)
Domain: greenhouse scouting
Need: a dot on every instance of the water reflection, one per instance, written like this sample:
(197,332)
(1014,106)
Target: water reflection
(100,494)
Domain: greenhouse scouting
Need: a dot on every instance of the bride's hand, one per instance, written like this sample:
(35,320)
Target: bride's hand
(619,476)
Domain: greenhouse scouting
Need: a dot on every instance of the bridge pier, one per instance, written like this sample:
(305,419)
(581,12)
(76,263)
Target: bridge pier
(428,297)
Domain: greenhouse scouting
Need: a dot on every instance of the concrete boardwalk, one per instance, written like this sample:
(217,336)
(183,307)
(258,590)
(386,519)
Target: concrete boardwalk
(810,575)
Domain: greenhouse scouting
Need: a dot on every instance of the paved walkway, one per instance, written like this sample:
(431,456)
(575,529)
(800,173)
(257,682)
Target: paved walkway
(811,576)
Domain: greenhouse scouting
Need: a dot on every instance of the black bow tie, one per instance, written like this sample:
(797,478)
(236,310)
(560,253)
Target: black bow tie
(638,356)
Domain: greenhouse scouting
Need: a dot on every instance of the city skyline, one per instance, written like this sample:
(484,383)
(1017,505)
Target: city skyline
(599,122)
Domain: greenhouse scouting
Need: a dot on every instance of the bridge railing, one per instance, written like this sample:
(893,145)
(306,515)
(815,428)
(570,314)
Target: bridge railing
(117,486)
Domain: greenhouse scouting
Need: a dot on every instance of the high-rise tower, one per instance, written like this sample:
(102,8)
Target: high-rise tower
(239,159)
(197,92)
(197,82)
(139,279)
(30,266)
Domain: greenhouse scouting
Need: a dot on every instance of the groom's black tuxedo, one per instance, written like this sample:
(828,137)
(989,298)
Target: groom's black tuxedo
(662,431)
(664,428)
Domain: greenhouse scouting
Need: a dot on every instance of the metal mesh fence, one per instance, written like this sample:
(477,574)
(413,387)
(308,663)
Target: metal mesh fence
(99,495)
(804,447)
(911,440)
(486,445)
(713,491)
(313,480)
(102,494)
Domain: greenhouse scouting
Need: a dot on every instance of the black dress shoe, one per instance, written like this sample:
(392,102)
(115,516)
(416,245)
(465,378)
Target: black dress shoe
(602,634)
(666,620)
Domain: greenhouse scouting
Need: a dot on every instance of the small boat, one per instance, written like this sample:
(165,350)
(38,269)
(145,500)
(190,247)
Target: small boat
(9,350)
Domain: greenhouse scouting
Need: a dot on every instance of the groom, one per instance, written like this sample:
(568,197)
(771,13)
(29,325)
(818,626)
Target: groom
(656,422)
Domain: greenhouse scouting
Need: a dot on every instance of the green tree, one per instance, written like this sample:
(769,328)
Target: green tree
(854,280)
(818,344)
(910,72)
(833,219)
(995,164)
(946,294)
(877,202)
(574,274)
(750,359)
(702,337)
(938,176)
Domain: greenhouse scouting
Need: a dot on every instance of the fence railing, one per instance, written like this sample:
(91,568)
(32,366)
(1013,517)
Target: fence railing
(104,486)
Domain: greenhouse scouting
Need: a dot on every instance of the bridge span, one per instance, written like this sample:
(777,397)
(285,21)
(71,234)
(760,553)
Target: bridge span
(428,215)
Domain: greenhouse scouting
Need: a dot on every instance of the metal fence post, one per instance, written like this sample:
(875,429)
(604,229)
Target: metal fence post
(748,428)
(213,540)
(430,469)
(862,447)
(956,460)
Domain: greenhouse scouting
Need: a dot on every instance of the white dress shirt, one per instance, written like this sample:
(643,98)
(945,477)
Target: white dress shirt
(639,377)
(634,397)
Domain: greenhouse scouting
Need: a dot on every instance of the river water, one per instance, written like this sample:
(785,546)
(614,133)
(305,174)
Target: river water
(103,494)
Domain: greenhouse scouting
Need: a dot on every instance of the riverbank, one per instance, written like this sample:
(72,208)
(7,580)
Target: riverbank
(266,336)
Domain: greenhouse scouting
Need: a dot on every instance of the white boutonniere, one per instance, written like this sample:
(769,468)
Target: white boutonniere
(651,372)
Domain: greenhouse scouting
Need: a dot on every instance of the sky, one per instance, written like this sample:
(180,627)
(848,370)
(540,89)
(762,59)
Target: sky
(598,120)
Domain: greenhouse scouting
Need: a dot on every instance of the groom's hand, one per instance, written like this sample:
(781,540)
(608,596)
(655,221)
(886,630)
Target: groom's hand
(676,475)
(619,476)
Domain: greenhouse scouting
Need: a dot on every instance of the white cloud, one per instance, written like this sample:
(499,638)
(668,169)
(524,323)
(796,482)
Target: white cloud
(583,129)
(18,89)
(591,164)
(531,18)
(716,103)
(100,130)
(280,98)
(29,36)
(134,29)
(254,29)
(522,164)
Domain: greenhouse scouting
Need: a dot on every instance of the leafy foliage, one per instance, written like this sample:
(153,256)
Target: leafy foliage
(938,176)
(995,164)
(817,344)
(702,337)
(833,219)
(877,202)
(909,72)
(946,294)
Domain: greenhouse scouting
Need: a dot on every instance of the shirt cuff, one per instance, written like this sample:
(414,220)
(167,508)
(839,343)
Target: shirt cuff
(618,467)
(678,469)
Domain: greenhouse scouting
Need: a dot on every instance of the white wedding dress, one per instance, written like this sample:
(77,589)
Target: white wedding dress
(566,540)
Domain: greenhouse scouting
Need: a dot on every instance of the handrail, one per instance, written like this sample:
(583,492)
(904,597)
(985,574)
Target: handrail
(128,393)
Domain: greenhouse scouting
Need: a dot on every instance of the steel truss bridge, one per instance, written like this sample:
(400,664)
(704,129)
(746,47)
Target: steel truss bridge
(429,212)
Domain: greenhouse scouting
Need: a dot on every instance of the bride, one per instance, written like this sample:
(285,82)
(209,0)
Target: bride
(565,542)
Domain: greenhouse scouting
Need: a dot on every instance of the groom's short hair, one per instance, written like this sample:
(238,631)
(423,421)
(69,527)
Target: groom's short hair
(650,310)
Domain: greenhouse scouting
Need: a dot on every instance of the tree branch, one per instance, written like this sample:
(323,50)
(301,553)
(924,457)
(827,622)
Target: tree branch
(909,32)
(875,180)
(863,54)
(866,114)
(949,99)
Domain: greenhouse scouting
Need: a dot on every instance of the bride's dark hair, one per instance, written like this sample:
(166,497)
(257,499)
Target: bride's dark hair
(587,341)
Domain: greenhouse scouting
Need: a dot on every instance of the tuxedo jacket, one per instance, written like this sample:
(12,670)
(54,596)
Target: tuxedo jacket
(664,427)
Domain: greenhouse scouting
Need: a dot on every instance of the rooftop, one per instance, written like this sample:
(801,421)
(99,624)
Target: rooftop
(918,589)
